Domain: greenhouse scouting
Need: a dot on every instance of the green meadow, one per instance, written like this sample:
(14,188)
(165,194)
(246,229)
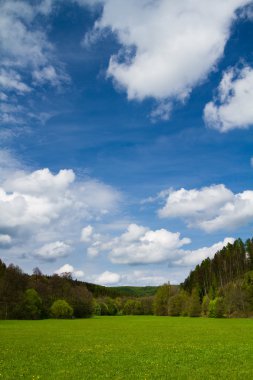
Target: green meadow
(127,347)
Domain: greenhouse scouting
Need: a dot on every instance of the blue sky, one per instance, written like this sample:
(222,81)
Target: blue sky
(126,135)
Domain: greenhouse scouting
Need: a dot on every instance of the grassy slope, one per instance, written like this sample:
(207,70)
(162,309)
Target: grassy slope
(127,348)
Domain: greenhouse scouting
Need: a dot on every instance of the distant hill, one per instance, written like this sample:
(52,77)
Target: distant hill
(120,291)
(135,291)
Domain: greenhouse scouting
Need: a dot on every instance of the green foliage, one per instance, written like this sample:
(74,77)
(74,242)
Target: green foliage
(248,291)
(135,291)
(132,307)
(161,300)
(61,309)
(194,307)
(96,308)
(226,280)
(147,305)
(229,264)
(205,306)
(100,291)
(81,301)
(31,307)
(103,308)
(216,308)
(178,304)
(107,306)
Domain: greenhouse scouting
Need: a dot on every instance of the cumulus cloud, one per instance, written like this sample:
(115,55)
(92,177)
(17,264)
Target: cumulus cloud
(194,202)
(5,239)
(144,278)
(167,47)
(53,251)
(233,214)
(67,268)
(194,257)
(34,199)
(107,278)
(210,208)
(41,196)
(39,181)
(232,107)
(133,277)
(139,245)
(38,207)
(86,234)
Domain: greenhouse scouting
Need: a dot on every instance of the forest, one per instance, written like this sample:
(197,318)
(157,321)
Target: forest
(218,287)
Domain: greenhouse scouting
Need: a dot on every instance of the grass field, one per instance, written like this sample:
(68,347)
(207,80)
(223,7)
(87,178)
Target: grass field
(127,348)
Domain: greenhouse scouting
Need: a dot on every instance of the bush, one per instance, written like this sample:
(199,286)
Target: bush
(96,308)
(132,307)
(216,308)
(205,306)
(61,309)
(161,300)
(111,306)
(178,304)
(103,308)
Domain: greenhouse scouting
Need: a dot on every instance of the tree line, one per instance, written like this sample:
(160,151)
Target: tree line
(38,296)
(218,287)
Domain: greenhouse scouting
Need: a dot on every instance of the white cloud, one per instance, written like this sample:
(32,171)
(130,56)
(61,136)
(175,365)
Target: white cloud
(167,47)
(86,234)
(11,80)
(9,163)
(131,278)
(144,278)
(27,56)
(247,12)
(233,106)
(162,111)
(21,43)
(67,268)
(107,278)
(183,203)
(48,74)
(39,181)
(12,113)
(139,245)
(211,208)
(5,239)
(194,257)
(53,251)
(233,214)
(38,207)
(41,197)
(34,199)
